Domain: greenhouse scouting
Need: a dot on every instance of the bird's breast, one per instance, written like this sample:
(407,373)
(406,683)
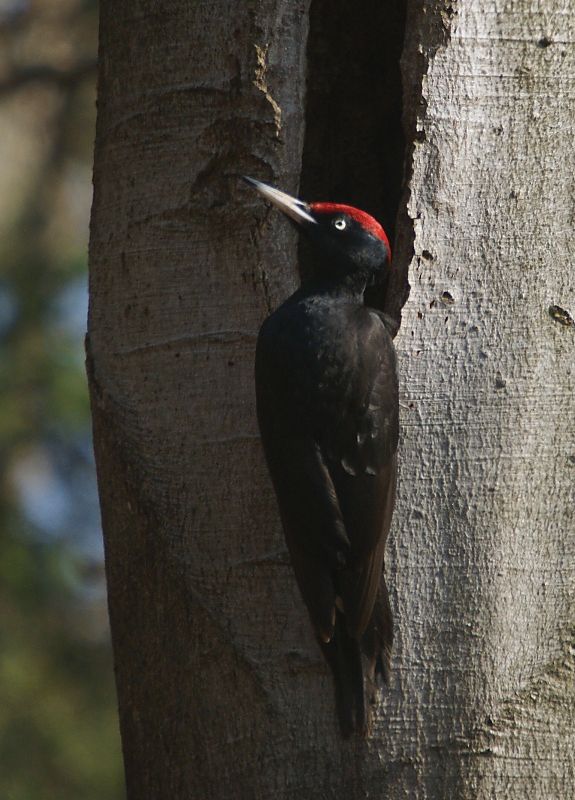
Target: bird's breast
(319,361)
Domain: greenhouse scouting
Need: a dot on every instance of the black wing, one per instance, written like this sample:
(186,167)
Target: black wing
(331,454)
(363,470)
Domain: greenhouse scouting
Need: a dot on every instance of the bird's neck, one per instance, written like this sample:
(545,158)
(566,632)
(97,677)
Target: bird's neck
(341,288)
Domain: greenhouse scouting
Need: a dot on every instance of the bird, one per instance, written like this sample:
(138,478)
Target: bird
(328,413)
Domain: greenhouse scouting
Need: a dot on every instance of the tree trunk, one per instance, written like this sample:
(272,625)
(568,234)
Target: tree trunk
(222,689)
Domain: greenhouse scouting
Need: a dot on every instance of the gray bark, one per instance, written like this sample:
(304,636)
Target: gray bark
(484,541)
(222,690)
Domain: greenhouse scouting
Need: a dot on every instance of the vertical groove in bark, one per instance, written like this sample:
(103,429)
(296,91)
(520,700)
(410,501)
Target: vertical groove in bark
(427,28)
(354,142)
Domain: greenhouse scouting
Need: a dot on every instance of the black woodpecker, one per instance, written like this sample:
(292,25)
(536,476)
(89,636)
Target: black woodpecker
(327,405)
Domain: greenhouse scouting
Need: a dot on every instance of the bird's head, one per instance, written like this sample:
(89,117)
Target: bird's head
(347,241)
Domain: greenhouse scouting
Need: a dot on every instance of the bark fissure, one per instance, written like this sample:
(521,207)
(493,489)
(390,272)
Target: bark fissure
(260,82)
(426,29)
(354,142)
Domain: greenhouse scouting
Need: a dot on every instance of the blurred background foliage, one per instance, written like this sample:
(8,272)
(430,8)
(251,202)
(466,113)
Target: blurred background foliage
(58,721)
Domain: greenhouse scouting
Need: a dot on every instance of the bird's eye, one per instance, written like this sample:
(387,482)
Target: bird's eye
(340,224)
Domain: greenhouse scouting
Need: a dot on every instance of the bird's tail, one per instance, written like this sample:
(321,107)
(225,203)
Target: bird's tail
(377,640)
(343,654)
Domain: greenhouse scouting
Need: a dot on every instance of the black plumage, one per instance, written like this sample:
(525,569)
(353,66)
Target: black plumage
(327,404)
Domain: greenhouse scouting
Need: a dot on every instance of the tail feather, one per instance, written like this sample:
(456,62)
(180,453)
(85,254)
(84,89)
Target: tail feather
(344,656)
(377,640)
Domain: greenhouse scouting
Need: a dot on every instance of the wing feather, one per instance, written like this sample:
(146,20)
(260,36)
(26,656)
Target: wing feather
(330,449)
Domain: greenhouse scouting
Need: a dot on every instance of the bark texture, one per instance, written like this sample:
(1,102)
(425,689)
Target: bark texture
(222,690)
(203,603)
(484,543)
